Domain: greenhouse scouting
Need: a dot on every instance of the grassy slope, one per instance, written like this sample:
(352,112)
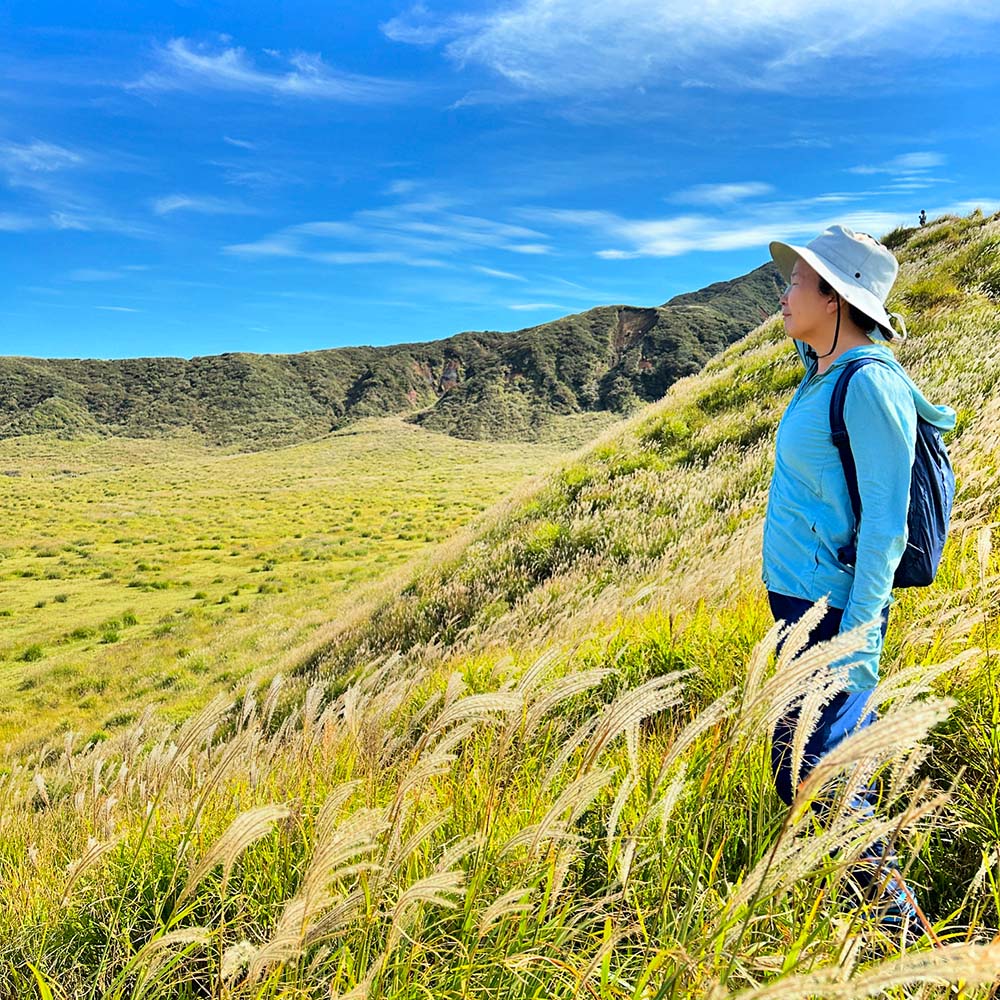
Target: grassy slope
(559,787)
(141,573)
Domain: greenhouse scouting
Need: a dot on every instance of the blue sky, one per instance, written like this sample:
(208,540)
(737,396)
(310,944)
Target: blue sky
(184,178)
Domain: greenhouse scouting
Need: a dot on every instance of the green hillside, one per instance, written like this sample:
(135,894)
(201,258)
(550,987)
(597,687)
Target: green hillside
(540,767)
(473,385)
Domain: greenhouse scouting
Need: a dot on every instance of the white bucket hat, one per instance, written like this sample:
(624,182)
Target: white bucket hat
(858,267)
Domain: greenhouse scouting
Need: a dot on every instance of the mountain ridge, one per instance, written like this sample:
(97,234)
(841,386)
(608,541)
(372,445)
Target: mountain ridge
(476,384)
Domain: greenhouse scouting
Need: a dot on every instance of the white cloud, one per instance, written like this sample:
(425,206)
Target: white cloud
(279,245)
(529,248)
(574,47)
(11,222)
(494,273)
(118,309)
(239,143)
(419,233)
(905,165)
(402,187)
(197,203)
(66,220)
(38,166)
(723,194)
(184,65)
(417,27)
(752,228)
(38,157)
(375,257)
(94,274)
(532,306)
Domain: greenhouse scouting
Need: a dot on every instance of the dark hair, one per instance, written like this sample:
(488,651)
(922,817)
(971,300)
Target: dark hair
(858,318)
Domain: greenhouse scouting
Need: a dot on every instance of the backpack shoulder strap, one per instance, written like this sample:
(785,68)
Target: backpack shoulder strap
(838,432)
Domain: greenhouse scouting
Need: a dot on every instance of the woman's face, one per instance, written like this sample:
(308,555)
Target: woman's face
(808,314)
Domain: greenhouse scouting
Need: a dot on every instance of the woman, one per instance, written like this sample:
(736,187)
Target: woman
(834,310)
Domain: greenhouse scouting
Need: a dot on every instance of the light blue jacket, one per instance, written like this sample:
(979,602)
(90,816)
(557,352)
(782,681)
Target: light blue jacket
(809,514)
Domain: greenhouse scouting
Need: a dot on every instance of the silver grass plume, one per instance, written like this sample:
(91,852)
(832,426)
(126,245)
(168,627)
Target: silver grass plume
(815,700)
(334,858)
(574,800)
(631,708)
(161,950)
(757,666)
(271,699)
(235,958)
(662,809)
(702,722)
(907,685)
(438,889)
(625,790)
(458,850)
(560,690)
(793,677)
(880,740)
(245,829)
(514,903)
(420,836)
(199,730)
(984,546)
(77,869)
(481,707)
(566,751)
(533,677)
(454,688)
(971,964)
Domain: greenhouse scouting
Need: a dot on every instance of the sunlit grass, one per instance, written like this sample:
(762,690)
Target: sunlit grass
(137,573)
(539,766)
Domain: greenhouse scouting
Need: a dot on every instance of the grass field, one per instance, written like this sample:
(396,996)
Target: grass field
(138,573)
(537,765)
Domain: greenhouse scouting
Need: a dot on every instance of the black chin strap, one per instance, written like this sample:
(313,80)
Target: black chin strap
(836,334)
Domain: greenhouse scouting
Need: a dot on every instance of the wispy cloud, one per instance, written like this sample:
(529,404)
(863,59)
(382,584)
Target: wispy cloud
(722,194)
(402,187)
(37,157)
(37,166)
(573,47)
(419,27)
(185,65)
(492,272)
(204,204)
(239,143)
(904,165)
(12,222)
(680,234)
(118,309)
(423,233)
(534,306)
(94,274)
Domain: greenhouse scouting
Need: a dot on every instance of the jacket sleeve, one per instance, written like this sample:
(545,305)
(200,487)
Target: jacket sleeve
(881,421)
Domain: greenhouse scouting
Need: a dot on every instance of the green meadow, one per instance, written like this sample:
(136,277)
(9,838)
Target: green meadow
(534,763)
(147,574)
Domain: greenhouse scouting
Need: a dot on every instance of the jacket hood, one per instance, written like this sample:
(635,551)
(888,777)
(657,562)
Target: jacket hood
(942,417)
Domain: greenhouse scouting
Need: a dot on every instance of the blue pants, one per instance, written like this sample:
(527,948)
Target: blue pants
(844,715)
(839,719)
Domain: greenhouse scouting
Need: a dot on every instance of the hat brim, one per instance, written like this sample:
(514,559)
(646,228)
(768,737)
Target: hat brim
(785,255)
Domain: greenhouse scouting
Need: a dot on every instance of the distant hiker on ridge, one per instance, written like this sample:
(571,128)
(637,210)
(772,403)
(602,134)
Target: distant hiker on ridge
(817,542)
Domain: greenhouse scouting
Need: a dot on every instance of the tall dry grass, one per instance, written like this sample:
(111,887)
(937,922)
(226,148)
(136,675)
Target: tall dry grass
(567,795)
